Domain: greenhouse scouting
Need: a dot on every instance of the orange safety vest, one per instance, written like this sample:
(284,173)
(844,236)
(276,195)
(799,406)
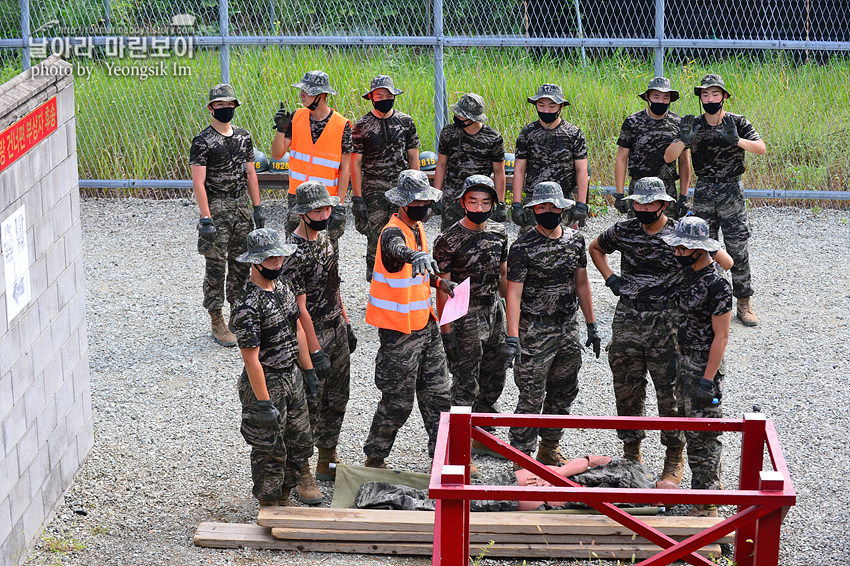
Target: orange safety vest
(318,161)
(399,301)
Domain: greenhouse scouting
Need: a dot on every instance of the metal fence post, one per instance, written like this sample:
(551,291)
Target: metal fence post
(659,35)
(224,52)
(580,30)
(107,17)
(25,34)
(440,98)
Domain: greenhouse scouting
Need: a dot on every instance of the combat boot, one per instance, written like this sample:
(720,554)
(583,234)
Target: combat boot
(549,454)
(324,472)
(284,500)
(631,452)
(674,465)
(480,450)
(375,463)
(220,331)
(745,312)
(703,511)
(307,490)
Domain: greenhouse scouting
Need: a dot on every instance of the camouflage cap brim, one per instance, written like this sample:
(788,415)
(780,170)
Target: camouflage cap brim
(647,199)
(559,202)
(482,189)
(554,98)
(313,90)
(674,94)
(461,113)
(401,198)
(393,90)
(318,203)
(261,255)
(690,242)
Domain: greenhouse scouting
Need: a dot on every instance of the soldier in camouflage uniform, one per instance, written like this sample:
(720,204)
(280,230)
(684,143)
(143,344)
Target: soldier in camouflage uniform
(313,270)
(718,141)
(547,283)
(643,140)
(468,147)
(223,179)
(385,144)
(549,149)
(410,361)
(476,249)
(643,333)
(706,303)
(275,418)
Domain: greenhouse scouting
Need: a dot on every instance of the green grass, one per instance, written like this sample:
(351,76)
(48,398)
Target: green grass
(129,128)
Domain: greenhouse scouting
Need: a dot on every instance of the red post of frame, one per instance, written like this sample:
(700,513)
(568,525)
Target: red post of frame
(766,547)
(752,462)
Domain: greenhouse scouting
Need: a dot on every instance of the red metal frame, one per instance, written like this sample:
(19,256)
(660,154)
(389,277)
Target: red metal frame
(762,498)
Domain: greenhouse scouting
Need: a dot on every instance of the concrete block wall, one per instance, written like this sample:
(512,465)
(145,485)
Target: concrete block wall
(45,401)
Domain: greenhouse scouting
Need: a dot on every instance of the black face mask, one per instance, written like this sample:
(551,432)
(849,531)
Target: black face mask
(712,107)
(548,117)
(223,114)
(687,260)
(383,106)
(316,225)
(478,217)
(270,274)
(315,104)
(462,123)
(548,220)
(648,217)
(659,108)
(417,213)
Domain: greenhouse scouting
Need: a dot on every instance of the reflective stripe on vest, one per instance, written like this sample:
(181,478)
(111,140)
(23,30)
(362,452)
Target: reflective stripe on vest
(399,301)
(318,161)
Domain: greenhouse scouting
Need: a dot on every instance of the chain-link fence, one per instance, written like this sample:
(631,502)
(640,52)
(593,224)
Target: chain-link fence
(141,94)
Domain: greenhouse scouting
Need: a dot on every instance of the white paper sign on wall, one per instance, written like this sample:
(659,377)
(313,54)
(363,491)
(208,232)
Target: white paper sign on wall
(13,236)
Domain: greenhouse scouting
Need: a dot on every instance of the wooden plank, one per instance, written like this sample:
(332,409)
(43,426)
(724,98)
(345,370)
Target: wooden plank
(233,535)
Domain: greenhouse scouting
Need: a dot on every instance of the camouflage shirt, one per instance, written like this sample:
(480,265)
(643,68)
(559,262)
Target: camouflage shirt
(268,319)
(647,140)
(547,269)
(224,157)
(316,129)
(384,143)
(649,270)
(313,270)
(713,156)
(468,155)
(474,254)
(551,154)
(705,293)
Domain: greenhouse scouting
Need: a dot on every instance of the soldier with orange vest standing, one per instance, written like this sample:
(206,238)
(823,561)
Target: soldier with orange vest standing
(319,142)
(411,361)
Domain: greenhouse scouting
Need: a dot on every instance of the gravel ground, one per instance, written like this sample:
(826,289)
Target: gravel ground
(168,454)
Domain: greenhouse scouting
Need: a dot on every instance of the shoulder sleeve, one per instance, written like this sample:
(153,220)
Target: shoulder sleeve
(293,265)
(522,144)
(247,325)
(503,235)
(609,240)
(445,140)
(412,137)
(627,138)
(347,145)
(442,253)
(199,151)
(497,150)
(746,130)
(579,145)
(357,136)
(720,297)
(582,250)
(517,263)
(249,147)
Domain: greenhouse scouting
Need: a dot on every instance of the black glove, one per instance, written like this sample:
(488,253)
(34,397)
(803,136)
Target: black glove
(311,382)
(352,339)
(500,212)
(358,208)
(282,118)
(688,129)
(683,205)
(447,287)
(512,351)
(423,263)
(321,362)
(613,283)
(729,130)
(705,392)
(206,229)
(450,346)
(437,207)
(579,212)
(268,416)
(620,203)
(337,216)
(593,338)
(259,221)
(519,214)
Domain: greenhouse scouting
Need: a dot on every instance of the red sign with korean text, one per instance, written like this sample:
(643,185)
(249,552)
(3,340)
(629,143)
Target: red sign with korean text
(21,136)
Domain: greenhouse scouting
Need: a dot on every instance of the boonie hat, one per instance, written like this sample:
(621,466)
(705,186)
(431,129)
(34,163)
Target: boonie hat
(709,81)
(549,191)
(661,84)
(550,91)
(647,190)
(481,183)
(264,243)
(315,83)
(311,195)
(223,92)
(412,185)
(692,232)
(470,106)
(382,81)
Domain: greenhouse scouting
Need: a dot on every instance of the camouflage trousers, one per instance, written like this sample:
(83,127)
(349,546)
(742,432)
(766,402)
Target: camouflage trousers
(641,342)
(478,376)
(277,456)
(547,376)
(704,447)
(379,211)
(722,205)
(233,220)
(408,365)
(293,220)
(327,409)
(452,212)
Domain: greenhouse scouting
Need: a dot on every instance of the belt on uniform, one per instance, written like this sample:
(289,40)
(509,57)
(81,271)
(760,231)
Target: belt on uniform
(734,179)
(482,301)
(230,194)
(554,318)
(644,306)
(692,353)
